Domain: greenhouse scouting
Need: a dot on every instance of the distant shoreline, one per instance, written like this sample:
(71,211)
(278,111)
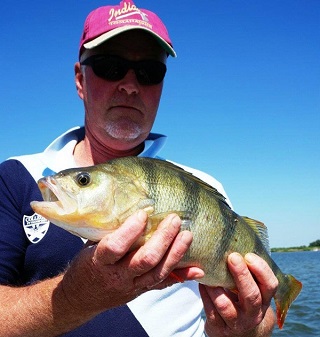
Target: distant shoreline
(295,249)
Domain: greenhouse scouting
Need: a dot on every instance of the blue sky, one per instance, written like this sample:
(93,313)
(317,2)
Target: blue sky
(241,100)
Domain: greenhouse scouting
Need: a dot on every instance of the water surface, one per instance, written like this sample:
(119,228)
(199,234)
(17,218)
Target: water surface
(303,319)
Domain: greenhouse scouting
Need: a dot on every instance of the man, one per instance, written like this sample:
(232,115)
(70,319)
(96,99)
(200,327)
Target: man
(51,284)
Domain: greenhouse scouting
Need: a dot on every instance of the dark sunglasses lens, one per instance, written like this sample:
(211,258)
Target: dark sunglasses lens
(150,72)
(110,68)
(114,68)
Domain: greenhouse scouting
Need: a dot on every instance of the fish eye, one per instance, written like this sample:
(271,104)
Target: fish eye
(83,178)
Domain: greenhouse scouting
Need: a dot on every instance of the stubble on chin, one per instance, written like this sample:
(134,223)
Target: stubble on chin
(125,129)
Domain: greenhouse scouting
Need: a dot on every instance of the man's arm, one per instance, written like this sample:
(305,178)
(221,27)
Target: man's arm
(247,314)
(101,277)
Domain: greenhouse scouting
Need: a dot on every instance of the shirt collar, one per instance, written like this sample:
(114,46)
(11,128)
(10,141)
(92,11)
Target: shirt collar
(59,154)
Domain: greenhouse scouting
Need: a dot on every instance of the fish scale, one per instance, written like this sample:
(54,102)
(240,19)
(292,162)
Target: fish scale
(93,201)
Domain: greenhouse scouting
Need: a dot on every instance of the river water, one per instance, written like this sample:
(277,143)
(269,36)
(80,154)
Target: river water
(303,319)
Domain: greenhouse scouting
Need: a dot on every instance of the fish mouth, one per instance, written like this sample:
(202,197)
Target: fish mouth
(56,199)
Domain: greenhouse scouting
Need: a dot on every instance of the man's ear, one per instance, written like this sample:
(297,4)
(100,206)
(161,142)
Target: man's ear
(78,79)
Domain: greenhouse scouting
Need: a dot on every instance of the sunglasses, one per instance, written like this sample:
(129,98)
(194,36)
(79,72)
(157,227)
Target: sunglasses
(115,68)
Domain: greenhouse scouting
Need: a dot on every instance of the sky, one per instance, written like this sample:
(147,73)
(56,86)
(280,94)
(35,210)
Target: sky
(241,101)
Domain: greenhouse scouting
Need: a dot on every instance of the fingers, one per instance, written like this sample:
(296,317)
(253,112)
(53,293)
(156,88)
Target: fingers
(264,277)
(161,254)
(189,273)
(110,275)
(240,313)
(255,281)
(250,298)
(115,245)
(150,253)
(152,263)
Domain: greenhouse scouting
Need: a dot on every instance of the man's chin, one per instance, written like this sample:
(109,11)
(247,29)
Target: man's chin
(124,131)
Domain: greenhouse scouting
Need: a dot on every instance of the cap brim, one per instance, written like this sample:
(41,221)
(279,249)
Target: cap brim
(106,36)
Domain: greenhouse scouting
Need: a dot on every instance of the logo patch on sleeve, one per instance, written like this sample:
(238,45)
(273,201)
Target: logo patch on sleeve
(35,227)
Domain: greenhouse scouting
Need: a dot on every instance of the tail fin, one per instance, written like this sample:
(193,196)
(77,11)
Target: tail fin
(288,290)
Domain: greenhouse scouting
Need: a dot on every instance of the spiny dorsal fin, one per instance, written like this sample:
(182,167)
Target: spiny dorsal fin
(260,229)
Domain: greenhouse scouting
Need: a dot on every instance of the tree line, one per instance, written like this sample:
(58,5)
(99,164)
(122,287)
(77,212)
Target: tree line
(315,244)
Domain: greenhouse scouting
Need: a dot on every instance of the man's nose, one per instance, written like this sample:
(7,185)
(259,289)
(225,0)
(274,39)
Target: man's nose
(129,83)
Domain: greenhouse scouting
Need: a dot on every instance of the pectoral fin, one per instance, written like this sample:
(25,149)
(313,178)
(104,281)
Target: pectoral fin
(154,221)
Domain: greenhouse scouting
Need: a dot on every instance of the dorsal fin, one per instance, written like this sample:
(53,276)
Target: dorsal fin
(260,229)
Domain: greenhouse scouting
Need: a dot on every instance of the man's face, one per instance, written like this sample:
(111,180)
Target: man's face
(120,114)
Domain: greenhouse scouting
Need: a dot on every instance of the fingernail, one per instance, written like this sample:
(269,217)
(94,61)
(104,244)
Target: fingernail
(175,221)
(142,216)
(199,275)
(235,259)
(250,257)
(186,238)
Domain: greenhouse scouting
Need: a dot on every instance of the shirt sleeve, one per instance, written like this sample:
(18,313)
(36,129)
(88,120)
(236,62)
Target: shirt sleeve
(17,188)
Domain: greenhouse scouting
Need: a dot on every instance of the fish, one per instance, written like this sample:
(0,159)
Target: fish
(91,202)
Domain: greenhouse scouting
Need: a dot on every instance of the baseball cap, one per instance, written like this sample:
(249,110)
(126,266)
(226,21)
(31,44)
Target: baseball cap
(106,22)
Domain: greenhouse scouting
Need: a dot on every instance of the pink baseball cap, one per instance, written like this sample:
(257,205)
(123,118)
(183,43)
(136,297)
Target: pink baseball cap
(106,22)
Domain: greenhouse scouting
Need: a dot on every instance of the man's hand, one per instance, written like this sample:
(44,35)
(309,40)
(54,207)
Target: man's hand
(101,277)
(105,275)
(247,313)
